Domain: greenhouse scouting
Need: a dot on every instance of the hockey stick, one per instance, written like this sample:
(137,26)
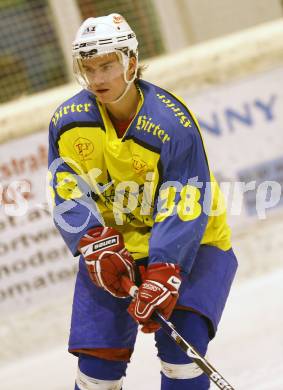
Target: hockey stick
(169,328)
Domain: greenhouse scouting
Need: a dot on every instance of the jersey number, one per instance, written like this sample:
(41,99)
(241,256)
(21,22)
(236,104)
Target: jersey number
(188,207)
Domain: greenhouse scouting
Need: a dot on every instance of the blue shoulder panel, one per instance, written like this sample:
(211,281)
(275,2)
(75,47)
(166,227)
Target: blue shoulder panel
(81,109)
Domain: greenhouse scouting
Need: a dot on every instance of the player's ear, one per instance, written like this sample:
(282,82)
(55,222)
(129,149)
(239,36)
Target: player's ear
(132,67)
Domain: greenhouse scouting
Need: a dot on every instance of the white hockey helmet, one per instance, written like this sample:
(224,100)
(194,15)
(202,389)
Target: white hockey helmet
(100,36)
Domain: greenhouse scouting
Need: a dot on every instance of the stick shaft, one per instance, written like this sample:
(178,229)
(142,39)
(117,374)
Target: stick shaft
(186,347)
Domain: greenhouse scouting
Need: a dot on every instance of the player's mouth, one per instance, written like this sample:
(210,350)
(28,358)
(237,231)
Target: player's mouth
(101,91)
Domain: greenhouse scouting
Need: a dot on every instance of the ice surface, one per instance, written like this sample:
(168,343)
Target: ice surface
(248,350)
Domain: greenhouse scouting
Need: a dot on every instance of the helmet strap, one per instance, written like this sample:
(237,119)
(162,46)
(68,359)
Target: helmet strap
(125,63)
(129,83)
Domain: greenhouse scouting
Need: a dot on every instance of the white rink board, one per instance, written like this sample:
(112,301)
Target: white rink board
(241,125)
(37,293)
(233,142)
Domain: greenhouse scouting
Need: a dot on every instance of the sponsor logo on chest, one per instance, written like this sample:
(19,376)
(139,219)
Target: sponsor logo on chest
(65,110)
(145,123)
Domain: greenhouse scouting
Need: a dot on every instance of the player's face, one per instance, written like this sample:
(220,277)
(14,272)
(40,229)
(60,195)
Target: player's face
(105,76)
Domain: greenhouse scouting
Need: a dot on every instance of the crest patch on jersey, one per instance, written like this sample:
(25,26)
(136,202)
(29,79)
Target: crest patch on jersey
(83,147)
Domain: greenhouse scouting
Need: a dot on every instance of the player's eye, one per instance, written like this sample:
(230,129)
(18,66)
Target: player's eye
(89,70)
(107,67)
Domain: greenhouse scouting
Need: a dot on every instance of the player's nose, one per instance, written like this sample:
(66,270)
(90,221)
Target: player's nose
(98,79)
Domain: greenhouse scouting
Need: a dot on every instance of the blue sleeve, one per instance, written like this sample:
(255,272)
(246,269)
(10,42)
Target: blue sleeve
(74,209)
(180,215)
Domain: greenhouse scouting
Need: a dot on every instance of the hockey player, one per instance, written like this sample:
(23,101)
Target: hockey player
(134,196)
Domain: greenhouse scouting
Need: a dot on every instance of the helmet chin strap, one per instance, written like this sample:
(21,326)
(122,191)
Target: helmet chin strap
(124,59)
(128,82)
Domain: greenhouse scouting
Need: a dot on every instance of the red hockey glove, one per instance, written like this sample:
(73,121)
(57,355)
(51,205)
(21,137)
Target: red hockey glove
(159,291)
(107,259)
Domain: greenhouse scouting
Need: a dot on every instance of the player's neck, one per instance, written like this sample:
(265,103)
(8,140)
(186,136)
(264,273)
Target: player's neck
(126,107)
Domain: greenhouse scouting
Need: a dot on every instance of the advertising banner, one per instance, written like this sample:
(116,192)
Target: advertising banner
(241,123)
(35,264)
